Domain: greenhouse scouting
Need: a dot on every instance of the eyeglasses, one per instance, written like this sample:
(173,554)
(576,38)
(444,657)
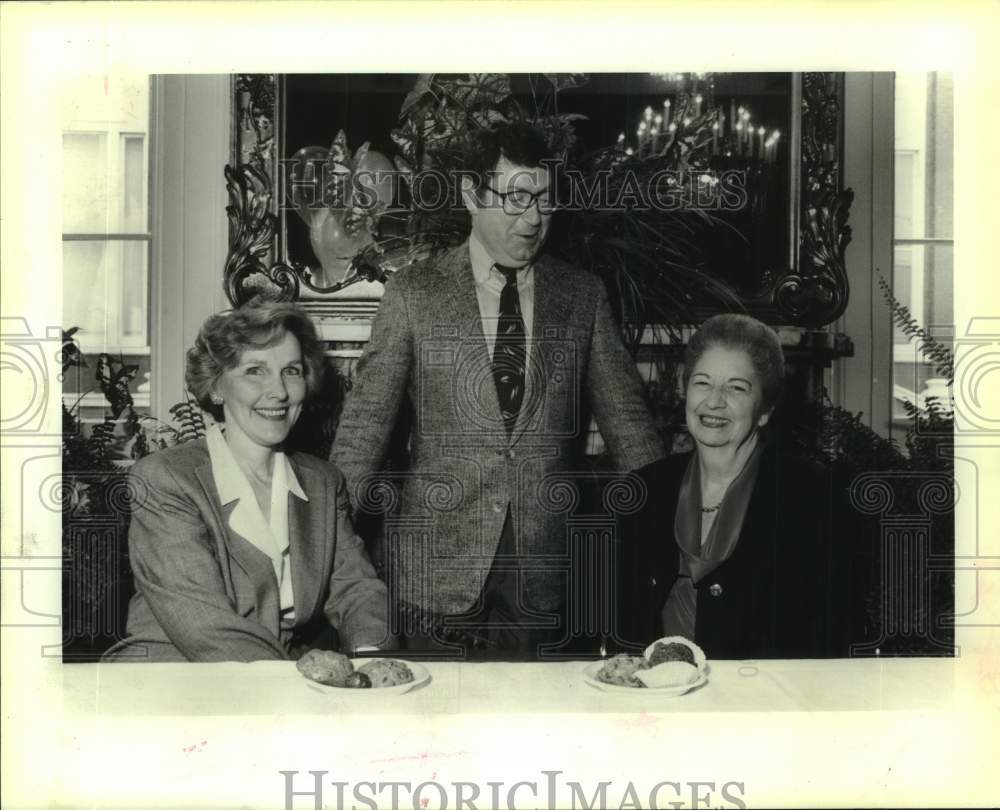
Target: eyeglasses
(520,200)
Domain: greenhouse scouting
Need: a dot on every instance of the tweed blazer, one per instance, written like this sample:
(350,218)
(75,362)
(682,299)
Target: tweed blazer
(427,347)
(205,593)
(786,591)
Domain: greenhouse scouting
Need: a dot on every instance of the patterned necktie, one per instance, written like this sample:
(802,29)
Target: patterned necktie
(509,350)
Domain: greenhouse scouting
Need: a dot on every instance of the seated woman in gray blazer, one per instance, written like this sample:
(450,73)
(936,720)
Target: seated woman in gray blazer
(241,551)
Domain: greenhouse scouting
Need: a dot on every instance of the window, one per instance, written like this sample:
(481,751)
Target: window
(922,232)
(106,228)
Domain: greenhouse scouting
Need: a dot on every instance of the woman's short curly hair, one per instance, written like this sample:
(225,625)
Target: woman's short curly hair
(224,337)
(741,332)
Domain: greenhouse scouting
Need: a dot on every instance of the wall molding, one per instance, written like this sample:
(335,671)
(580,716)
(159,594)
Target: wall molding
(190,148)
(864,382)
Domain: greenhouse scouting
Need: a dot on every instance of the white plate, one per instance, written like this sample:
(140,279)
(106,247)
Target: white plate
(591,670)
(420,677)
(590,676)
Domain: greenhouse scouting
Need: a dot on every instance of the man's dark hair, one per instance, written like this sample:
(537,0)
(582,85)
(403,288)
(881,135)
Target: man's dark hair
(519,142)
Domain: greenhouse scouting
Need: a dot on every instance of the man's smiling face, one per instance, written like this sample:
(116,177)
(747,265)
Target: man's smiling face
(511,239)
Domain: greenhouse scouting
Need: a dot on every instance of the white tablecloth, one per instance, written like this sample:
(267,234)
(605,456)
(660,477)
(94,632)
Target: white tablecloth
(462,688)
(853,733)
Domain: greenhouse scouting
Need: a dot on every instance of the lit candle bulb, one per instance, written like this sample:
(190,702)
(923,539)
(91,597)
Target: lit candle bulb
(648,113)
(687,121)
(697,105)
(672,127)
(621,137)
(657,119)
(666,110)
(628,150)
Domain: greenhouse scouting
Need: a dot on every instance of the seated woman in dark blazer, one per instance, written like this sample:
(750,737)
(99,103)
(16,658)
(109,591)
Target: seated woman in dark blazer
(733,547)
(240,550)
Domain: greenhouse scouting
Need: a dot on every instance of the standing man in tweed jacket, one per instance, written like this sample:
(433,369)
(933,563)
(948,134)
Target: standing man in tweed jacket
(502,354)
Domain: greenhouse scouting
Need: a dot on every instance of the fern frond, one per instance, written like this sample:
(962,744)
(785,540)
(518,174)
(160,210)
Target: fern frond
(939,355)
(189,419)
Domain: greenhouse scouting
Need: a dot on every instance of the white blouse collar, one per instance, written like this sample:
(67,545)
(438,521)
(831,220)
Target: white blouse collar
(246,519)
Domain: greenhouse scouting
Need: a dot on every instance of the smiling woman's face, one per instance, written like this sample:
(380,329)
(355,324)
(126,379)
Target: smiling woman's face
(263,394)
(724,403)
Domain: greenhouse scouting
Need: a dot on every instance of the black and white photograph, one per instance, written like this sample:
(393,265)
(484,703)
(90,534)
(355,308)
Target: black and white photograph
(383,430)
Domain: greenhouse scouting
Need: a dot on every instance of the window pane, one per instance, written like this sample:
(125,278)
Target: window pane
(907,217)
(105,293)
(135,256)
(924,200)
(86,292)
(134,184)
(902,273)
(922,282)
(86,181)
(106,189)
(924,155)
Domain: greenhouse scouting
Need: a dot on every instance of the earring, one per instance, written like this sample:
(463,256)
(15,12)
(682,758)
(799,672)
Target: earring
(216,399)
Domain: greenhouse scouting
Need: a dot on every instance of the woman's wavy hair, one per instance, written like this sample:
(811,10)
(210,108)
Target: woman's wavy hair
(258,324)
(741,332)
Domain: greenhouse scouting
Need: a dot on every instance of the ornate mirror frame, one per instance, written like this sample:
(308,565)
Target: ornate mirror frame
(811,292)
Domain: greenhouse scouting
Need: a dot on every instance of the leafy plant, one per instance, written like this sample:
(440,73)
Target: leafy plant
(844,443)
(95,497)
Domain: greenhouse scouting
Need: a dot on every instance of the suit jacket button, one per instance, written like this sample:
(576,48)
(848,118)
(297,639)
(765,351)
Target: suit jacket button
(715,589)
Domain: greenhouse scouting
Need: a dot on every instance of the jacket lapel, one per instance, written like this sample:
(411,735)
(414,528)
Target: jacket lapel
(255,564)
(460,309)
(309,541)
(548,332)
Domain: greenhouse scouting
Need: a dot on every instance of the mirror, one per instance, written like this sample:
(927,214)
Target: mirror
(773,141)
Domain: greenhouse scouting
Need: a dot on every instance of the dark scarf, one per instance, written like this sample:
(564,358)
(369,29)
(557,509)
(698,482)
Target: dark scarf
(697,560)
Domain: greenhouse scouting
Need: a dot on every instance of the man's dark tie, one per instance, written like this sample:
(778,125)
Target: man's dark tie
(509,351)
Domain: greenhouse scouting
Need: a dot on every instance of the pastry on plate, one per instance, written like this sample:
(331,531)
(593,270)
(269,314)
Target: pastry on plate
(384,672)
(324,666)
(621,670)
(671,651)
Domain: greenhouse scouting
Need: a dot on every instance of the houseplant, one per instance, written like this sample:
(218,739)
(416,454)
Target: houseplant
(97,497)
